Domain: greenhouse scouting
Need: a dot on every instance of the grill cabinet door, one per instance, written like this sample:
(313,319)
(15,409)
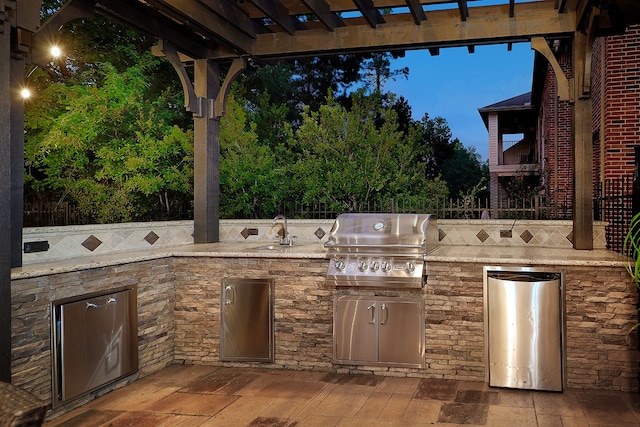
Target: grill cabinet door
(401,333)
(356,329)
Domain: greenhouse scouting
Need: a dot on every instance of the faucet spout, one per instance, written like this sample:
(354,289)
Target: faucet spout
(285,239)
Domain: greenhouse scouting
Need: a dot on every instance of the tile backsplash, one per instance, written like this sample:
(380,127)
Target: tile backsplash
(55,243)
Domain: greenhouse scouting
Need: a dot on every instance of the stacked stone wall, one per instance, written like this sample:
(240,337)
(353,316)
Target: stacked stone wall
(179,318)
(31,317)
(454,322)
(302,309)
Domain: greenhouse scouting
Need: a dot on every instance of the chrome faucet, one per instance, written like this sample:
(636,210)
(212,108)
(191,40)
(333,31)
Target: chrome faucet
(285,239)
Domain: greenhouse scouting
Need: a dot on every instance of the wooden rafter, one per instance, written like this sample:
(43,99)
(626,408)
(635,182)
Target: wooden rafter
(369,12)
(121,10)
(416,11)
(279,14)
(321,10)
(203,22)
(464,9)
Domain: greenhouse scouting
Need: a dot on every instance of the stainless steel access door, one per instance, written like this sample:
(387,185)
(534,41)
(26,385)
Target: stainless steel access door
(247,320)
(524,316)
(96,342)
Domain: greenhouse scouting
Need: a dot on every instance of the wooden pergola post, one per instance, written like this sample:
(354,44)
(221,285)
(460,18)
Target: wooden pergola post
(5,195)
(206,151)
(582,146)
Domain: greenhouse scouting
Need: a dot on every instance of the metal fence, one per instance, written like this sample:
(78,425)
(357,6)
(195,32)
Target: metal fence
(447,208)
(613,202)
(45,214)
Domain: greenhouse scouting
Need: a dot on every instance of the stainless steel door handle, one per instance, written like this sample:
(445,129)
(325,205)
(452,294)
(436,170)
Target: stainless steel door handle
(372,313)
(384,314)
(229,290)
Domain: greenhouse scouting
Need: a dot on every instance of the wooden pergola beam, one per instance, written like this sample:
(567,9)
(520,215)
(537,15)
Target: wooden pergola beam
(442,29)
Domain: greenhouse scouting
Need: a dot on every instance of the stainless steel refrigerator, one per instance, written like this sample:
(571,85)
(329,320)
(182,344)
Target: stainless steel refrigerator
(247,320)
(524,329)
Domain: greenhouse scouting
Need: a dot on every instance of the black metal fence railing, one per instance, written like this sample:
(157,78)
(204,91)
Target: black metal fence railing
(613,202)
(46,214)
(447,208)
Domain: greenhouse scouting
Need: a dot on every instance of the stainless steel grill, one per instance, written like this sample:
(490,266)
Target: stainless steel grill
(380,250)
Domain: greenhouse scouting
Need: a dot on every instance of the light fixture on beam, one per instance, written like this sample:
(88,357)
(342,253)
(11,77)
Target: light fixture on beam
(55,52)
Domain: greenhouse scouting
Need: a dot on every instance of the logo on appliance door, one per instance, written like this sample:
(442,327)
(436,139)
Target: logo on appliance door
(380,226)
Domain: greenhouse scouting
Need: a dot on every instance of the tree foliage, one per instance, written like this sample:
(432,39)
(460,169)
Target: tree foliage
(108,147)
(108,131)
(348,162)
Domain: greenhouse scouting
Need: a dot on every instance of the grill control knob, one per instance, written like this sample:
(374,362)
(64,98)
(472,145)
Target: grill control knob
(375,266)
(386,266)
(410,267)
(362,265)
(339,264)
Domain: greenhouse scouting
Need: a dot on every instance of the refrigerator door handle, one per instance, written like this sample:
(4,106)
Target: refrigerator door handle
(229,290)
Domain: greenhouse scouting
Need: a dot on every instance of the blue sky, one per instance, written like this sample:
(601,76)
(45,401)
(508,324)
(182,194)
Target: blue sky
(454,84)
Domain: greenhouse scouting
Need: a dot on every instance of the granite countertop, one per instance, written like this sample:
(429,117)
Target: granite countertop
(496,255)
(489,255)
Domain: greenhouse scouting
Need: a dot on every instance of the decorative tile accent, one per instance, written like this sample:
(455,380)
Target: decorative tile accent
(526,236)
(245,232)
(91,243)
(441,234)
(570,237)
(320,233)
(151,238)
(482,235)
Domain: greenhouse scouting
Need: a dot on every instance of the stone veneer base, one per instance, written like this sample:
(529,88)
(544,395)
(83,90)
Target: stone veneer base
(179,315)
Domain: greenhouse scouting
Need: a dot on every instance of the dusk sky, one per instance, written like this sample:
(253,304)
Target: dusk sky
(454,84)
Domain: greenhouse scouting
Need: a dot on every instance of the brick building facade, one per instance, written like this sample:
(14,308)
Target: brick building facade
(615,95)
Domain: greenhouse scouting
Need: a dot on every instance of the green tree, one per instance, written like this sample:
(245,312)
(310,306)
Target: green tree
(249,174)
(108,147)
(348,162)
(464,170)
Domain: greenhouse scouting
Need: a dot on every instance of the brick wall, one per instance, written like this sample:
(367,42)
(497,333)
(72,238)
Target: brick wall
(621,101)
(557,118)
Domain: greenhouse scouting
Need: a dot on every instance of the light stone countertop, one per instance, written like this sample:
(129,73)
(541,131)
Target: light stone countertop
(497,255)
(489,255)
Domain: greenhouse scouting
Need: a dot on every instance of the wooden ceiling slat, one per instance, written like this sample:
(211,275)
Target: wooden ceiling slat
(154,23)
(416,11)
(279,14)
(236,35)
(369,12)
(321,10)
(464,9)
